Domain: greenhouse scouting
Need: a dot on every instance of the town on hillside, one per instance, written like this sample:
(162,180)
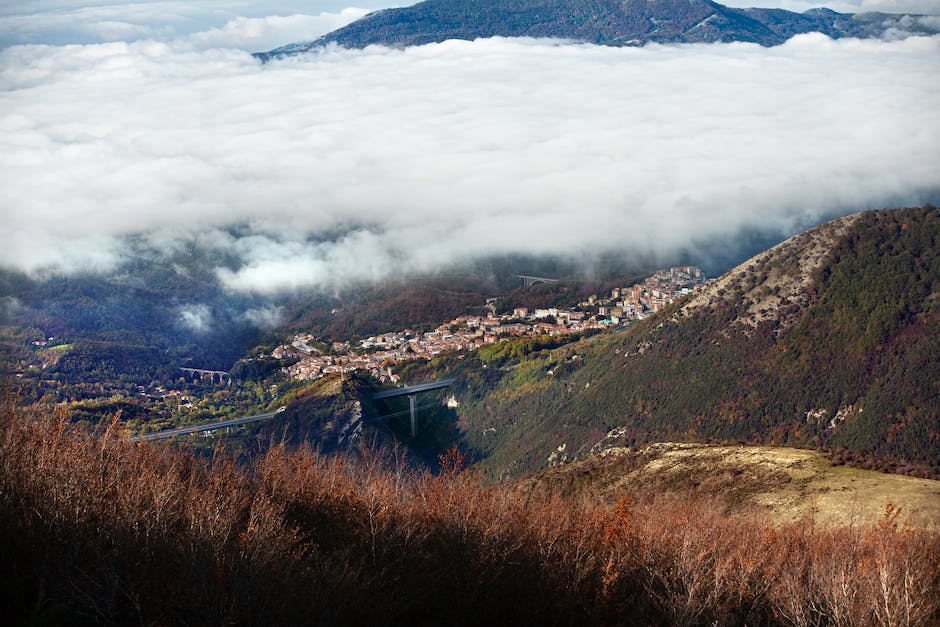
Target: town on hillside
(377,354)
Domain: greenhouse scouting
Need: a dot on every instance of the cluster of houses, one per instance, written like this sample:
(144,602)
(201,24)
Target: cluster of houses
(638,301)
(378,354)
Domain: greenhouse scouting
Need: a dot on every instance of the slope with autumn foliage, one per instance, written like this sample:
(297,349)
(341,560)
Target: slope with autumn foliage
(830,339)
(97,530)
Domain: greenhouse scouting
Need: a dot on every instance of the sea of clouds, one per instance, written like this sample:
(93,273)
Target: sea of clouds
(348,165)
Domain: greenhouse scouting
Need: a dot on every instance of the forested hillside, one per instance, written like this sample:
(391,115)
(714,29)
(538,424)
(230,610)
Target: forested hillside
(608,22)
(830,339)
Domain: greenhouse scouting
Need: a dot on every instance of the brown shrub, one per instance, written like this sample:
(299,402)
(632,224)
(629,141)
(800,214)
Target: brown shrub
(94,529)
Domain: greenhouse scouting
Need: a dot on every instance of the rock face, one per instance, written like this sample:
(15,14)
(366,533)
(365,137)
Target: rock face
(608,22)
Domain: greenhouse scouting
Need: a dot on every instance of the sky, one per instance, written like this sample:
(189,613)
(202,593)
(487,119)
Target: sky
(246,24)
(150,122)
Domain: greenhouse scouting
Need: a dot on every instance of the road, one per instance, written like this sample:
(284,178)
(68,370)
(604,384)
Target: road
(414,389)
(206,426)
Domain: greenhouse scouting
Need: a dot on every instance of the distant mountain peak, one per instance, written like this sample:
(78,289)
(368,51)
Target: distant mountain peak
(606,22)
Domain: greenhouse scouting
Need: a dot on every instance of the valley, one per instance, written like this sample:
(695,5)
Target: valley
(550,374)
(470,312)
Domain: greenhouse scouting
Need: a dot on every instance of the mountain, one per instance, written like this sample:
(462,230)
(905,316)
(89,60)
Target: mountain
(608,22)
(830,339)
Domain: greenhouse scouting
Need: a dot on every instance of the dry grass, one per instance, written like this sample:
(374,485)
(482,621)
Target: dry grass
(94,529)
(787,484)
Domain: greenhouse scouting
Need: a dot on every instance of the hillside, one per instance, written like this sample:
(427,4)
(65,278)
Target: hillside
(96,530)
(610,22)
(829,339)
(786,483)
(336,415)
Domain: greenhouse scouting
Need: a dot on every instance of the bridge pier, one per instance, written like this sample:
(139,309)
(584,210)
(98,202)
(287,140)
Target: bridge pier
(412,394)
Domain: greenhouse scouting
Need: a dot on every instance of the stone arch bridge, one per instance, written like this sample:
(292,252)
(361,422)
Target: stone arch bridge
(208,375)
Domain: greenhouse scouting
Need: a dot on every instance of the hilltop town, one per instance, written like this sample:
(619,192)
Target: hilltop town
(377,354)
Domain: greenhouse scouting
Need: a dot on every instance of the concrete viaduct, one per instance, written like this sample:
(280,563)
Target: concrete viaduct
(412,394)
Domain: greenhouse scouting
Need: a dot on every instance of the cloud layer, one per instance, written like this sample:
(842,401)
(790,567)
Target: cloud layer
(245,24)
(349,165)
(845,6)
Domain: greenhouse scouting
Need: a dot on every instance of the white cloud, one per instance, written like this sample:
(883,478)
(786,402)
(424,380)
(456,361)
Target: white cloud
(197,318)
(209,22)
(844,6)
(264,317)
(10,306)
(898,6)
(349,165)
(265,33)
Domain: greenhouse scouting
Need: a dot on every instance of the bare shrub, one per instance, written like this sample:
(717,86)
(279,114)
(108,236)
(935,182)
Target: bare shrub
(94,529)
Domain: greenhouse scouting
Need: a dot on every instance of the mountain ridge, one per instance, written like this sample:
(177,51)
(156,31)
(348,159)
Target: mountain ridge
(606,22)
(827,340)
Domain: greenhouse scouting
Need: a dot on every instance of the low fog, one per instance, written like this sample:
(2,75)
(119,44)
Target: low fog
(315,171)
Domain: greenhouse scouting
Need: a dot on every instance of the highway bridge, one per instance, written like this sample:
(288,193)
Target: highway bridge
(412,394)
(529,281)
(206,426)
